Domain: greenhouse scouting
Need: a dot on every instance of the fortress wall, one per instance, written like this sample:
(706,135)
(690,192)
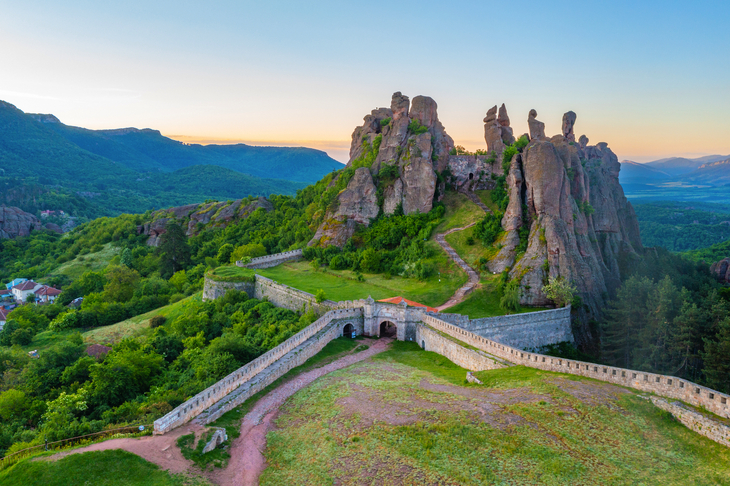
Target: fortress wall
(471,359)
(696,421)
(210,396)
(667,386)
(532,330)
(271,260)
(289,298)
(296,357)
(213,289)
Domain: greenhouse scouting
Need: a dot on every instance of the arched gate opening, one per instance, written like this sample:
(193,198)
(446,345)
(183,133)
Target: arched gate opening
(388,329)
(348,331)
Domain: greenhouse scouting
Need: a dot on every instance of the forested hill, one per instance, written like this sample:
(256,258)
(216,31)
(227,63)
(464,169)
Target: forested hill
(47,165)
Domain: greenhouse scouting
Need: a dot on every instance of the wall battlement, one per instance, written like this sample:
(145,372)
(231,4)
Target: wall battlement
(271,260)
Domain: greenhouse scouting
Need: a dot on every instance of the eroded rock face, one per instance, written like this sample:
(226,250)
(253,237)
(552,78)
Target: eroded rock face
(721,270)
(580,223)
(418,150)
(194,217)
(15,222)
(568,122)
(537,128)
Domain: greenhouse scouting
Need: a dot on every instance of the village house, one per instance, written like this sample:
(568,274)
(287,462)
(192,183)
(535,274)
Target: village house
(46,295)
(23,291)
(15,282)
(3,317)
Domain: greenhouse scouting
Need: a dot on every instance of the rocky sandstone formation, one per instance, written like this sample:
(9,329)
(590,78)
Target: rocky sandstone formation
(15,222)
(537,128)
(411,138)
(578,223)
(568,122)
(193,217)
(721,270)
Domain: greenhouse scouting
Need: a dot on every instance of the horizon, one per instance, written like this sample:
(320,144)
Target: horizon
(290,74)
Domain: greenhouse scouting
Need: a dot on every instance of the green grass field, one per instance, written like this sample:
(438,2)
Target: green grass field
(342,285)
(406,417)
(85,263)
(105,468)
(486,198)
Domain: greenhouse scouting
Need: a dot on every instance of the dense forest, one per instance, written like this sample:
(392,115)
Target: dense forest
(683,226)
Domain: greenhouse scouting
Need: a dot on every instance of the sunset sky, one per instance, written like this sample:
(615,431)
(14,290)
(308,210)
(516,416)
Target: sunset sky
(651,78)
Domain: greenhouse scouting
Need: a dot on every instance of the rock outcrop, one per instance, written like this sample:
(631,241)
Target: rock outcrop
(721,270)
(409,137)
(568,123)
(537,128)
(195,217)
(578,224)
(15,222)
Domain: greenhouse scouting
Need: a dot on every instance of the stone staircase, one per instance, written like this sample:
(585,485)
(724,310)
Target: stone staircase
(473,281)
(475,199)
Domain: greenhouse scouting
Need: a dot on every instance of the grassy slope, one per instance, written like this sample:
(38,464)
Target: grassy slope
(106,468)
(136,324)
(342,285)
(419,435)
(460,211)
(85,263)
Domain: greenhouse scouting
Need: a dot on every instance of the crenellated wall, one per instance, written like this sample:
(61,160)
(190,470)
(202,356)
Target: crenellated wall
(470,359)
(531,330)
(211,395)
(667,386)
(271,260)
(288,297)
(710,428)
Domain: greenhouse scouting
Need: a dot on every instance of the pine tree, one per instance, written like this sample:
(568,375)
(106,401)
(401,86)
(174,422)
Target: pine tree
(173,250)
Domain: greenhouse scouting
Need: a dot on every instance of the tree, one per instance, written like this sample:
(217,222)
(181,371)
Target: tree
(717,364)
(173,250)
(224,254)
(126,258)
(252,250)
(320,296)
(370,261)
(21,337)
(121,282)
(560,291)
(510,300)
(12,404)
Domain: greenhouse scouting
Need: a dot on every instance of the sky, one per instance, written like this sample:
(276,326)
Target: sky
(650,78)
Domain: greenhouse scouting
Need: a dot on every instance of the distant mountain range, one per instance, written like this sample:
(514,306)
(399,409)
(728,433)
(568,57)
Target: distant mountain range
(106,172)
(713,170)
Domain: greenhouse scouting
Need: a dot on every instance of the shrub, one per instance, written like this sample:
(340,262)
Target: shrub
(489,228)
(385,122)
(370,261)
(157,321)
(320,296)
(560,291)
(415,127)
(510,300)
(21,337)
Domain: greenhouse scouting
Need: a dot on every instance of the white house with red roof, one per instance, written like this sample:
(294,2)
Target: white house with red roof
(46,295)
(23,290)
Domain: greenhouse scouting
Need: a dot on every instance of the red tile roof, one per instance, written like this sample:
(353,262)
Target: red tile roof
(29,285)
(49,291)
(399,299)
(4,314)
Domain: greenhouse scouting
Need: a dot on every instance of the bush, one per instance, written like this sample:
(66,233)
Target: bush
(157,321)
(489,228)
(415,127)
(370,261)
(21,337)
(320,296)
(339,262)
(560,291)
(510,300)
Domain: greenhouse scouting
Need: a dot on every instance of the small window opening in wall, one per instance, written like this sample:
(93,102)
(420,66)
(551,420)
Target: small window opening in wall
(657,379)
(669,382)
(646,377)
(623,374)
(613,372)
(723,401)
(543,360)
(595,369)
(697,391)
(423,344)
(560,362)
(712,396)
(681,384)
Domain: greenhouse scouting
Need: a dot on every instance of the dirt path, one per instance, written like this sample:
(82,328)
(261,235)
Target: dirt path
(473,281)
(159,449)
(247,460)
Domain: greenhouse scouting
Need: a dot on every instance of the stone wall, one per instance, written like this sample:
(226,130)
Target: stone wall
(667,386)
(532,330)
(471,171)
(288,297)
(696,421)
(271,260)
(211,395)
(213,289)
(458,353)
